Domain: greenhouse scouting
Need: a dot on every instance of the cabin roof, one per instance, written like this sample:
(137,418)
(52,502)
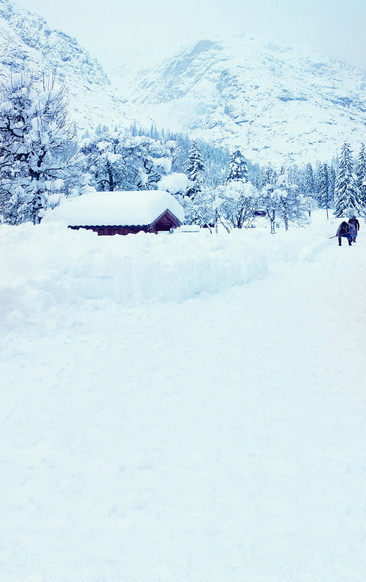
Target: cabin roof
(136,208)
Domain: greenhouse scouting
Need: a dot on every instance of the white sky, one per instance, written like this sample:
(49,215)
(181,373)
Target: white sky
(108,29)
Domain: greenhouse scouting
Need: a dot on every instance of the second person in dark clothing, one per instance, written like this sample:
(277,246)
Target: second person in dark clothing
(354,222)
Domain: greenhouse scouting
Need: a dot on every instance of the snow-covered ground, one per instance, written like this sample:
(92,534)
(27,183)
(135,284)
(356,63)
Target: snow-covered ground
(186,407)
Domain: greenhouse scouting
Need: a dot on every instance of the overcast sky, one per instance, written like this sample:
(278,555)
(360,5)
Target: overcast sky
(110,28)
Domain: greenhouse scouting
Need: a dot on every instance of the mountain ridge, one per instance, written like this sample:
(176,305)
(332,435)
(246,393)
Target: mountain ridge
(28,45)
(277,104)
(273,102)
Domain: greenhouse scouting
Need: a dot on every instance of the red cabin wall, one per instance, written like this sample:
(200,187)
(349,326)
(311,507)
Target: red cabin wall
(164,223)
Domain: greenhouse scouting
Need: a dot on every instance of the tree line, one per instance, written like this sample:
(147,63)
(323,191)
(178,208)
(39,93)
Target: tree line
(43,160)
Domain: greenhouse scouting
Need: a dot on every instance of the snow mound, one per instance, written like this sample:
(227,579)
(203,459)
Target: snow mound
(46,265)
(51,264)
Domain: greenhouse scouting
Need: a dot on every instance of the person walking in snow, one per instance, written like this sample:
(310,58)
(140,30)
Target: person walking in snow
(353,222)
(352,231)
(343,230)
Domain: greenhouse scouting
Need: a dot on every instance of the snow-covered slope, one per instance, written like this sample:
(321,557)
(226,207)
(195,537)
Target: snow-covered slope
(185,408)
(275,103)
(28,45)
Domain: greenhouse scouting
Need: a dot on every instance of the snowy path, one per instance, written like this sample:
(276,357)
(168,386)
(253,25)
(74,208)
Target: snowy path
(218,439)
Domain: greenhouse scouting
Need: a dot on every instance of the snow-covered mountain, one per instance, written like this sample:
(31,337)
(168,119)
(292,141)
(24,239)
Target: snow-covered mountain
(28,45)
(274,103)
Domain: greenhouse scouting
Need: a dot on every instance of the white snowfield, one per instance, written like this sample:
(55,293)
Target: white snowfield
(182,408)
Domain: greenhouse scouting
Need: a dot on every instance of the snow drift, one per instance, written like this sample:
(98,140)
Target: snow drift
(184,407)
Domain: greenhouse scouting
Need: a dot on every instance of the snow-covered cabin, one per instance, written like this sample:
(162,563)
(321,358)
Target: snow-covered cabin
(109,213)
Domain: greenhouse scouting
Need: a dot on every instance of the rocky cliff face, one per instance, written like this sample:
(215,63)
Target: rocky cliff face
(275,103)
(27,45)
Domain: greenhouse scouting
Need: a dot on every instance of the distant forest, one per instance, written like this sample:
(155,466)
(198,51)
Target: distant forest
(42,160)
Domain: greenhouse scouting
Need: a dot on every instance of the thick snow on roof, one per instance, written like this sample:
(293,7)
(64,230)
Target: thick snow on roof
(115,208)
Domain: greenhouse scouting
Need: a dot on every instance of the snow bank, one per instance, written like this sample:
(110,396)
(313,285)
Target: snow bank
(45,265)
(48,264)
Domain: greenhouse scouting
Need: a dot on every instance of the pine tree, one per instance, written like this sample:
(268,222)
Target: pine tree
(346,196)
(324,187)
(332,182)
(195,170)
(361,177)
(309,180)
(269,198)
(237,168)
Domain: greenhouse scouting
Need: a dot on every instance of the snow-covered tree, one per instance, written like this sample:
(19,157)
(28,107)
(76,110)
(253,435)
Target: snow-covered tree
(269,199)
(195,169)
(38,148)
(345,195)
(361,177)
(237,167)
(309,180)
(119,161)
(175,183)
(203,209)
(283,204)
(286,196)
(325,198)
(307,203)
(240,200)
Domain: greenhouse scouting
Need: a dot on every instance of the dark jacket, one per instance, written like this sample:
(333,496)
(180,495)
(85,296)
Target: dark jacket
(355,222)
(343,229)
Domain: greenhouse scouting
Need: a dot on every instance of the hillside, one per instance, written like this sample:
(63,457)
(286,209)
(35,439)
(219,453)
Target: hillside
(275,103)
(28,45)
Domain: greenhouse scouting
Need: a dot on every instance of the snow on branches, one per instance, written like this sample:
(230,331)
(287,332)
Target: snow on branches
(37,146)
